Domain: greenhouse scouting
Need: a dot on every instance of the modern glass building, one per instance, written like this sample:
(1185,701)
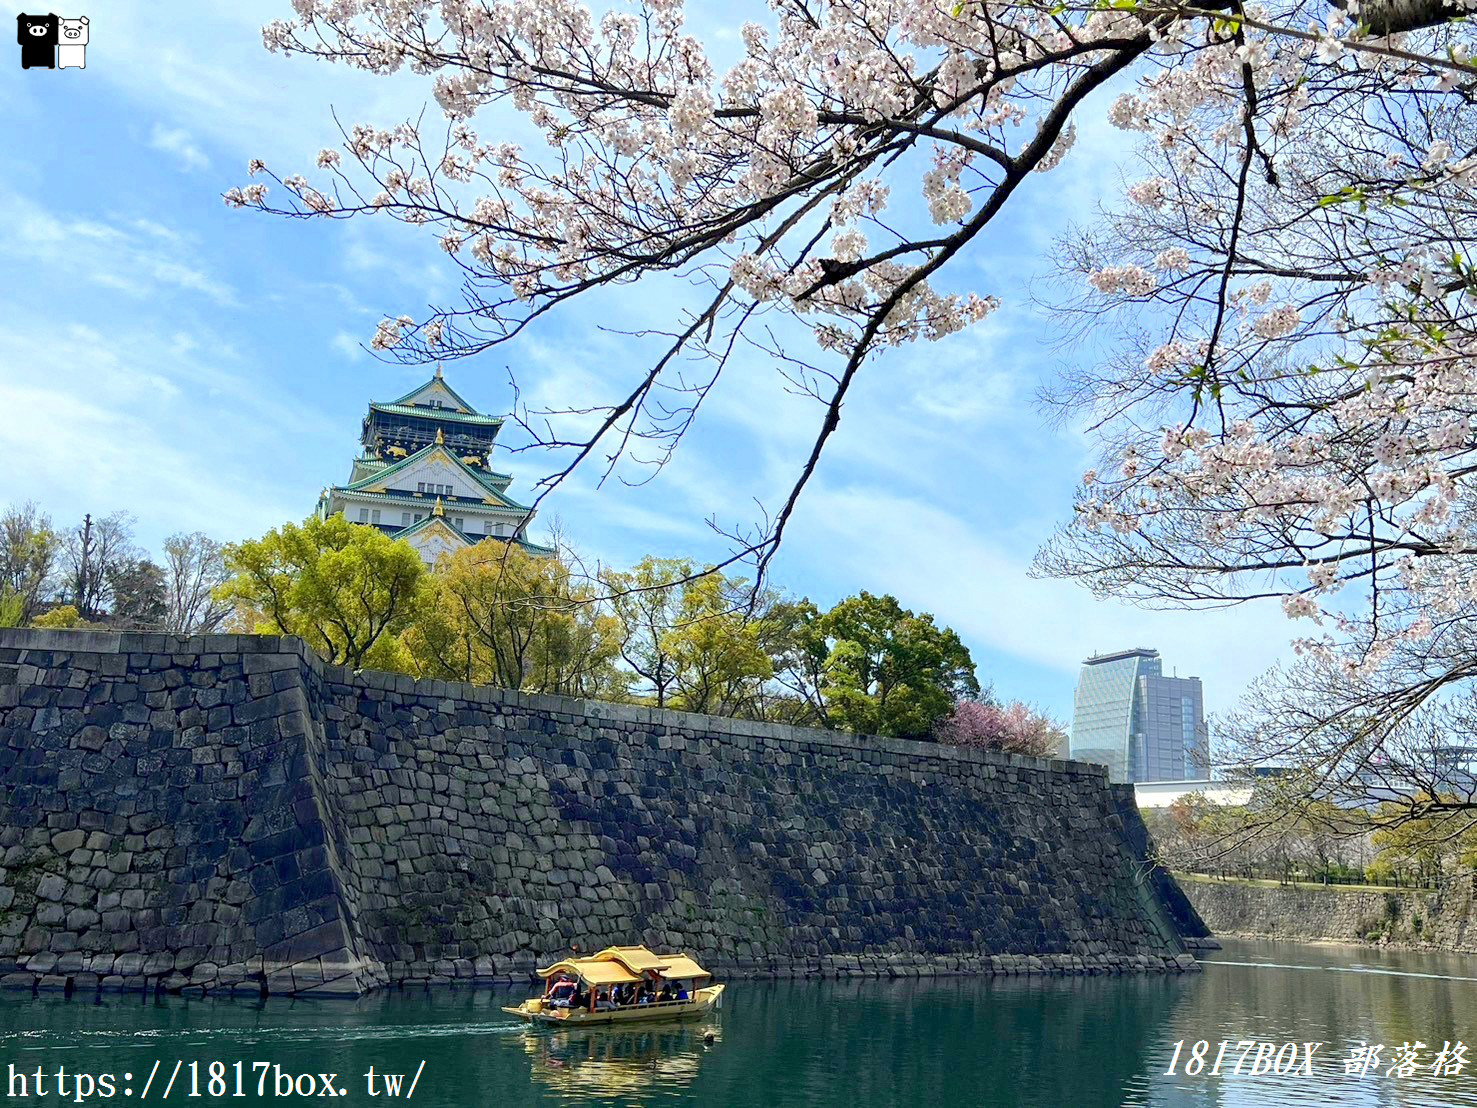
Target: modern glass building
(1140,724)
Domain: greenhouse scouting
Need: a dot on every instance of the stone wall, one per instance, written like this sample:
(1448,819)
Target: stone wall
(228,813)
(1439,919)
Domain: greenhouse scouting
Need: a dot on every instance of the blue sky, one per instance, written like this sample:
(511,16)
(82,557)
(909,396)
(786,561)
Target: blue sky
(203,368)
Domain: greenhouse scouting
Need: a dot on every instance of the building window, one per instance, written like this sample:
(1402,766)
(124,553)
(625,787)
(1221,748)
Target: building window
(461,524)
(363,515)
(419,517)
(420,486)
(405,519)
(375,516)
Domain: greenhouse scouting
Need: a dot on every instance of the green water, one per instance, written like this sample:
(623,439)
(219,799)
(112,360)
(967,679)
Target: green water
(1093,1041)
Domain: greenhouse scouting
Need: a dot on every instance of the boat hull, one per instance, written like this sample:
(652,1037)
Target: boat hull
(702,1003)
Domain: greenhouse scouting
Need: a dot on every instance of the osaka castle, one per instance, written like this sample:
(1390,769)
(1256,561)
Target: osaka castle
(424,476)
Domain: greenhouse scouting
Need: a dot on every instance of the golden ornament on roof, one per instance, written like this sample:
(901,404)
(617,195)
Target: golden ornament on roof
(439,509)
(440,438)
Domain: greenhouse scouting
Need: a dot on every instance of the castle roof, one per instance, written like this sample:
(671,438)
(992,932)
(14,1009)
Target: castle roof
(450,415)
(373,482)
(436,386)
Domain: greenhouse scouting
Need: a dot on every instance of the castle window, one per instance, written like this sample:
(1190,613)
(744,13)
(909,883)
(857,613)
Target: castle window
(405,519)
(363,515)
(420,486)
(419,517)
(461,524)
(375,516)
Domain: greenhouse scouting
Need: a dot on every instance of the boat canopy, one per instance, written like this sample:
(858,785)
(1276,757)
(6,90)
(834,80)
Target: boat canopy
(682,968)
(637,959)
(593,971)
(625,965)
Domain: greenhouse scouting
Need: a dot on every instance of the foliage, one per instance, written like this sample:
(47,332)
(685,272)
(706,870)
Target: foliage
(717,648)
(1014,728)
(1285,408)
(1425,836)
(889,671)
(645,601)
(798,184)
(96,568)
(798,655)
(28,552)
(64,617)
(495,614)
(12,608)
(137,590)
(346,590)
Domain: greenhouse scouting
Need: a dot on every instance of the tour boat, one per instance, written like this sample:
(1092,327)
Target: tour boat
(620,985)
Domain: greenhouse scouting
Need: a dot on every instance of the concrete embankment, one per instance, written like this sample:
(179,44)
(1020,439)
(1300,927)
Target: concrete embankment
(227,813)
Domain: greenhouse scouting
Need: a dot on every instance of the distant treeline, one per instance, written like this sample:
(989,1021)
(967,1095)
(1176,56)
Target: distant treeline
(669,632)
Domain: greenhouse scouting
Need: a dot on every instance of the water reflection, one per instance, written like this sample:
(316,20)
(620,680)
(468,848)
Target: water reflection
(600,1064)
(1008,1042)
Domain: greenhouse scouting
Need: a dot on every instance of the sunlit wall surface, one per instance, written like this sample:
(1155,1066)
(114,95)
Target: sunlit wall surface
(1140,724)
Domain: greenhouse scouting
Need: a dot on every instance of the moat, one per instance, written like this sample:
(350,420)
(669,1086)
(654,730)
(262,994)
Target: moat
(1000,1041)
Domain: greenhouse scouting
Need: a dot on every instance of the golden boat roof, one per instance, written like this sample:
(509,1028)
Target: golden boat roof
(680,967)
(593,971)
(637,959)
(625,965)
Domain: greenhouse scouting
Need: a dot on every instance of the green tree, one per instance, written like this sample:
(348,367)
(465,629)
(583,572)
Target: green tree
(139,598)
(889,671)
(28,553)
(498,615)
(717,648)
(798,651)
(12,608)
(1421,835)
(346,590)
(646,603)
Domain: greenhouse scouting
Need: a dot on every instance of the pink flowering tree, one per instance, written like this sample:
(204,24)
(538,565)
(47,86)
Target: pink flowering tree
(1014,728)
(1284,407)
(826,179)
(1282,299)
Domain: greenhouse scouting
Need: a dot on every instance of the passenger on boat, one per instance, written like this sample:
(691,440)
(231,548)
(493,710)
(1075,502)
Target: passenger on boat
(665,994)
(562,994)
(682,992)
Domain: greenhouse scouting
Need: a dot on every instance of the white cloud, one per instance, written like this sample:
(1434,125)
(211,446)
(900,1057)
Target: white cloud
(137,257)
(933,560)
(347,345)
(176,142)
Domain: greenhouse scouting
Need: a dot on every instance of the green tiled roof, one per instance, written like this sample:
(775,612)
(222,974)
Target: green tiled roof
(477,477)
(422,524)
(363,467)
(435,380)
(471,540)
(436,414)
(427,501)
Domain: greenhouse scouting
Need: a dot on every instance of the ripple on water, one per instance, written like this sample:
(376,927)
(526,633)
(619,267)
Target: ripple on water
(1007,1042)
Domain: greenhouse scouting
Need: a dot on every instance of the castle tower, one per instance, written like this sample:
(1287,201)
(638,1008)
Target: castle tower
(424,475)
